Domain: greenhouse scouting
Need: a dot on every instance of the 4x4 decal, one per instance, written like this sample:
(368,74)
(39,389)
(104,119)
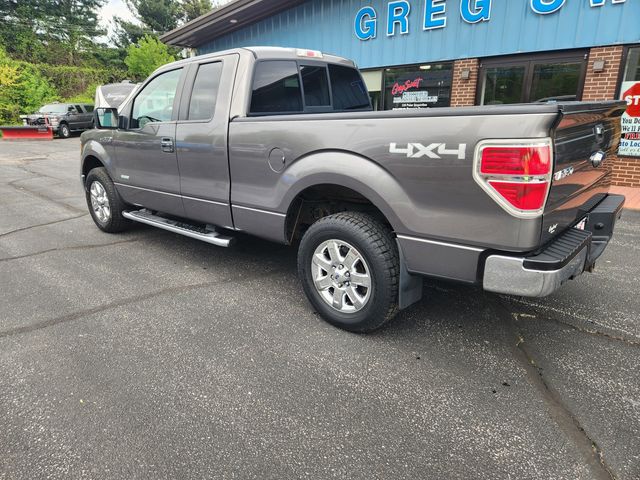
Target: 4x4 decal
(434,150)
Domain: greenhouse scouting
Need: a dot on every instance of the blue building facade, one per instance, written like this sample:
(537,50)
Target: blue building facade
(441,53)
(381,33)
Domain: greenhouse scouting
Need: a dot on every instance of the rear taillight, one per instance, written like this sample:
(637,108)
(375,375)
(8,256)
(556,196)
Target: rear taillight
(515,173)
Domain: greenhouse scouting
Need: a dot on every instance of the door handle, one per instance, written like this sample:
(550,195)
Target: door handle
(166,143)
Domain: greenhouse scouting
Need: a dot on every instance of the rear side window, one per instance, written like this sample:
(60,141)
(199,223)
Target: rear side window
(205,92)
(349,92)
(315,85)
(88,108)
(276,88)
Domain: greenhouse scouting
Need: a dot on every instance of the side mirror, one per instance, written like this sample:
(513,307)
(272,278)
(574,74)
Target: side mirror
(106,118)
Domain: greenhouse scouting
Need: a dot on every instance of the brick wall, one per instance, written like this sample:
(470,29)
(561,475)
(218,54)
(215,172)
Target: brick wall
(626,172)
(602,86)
(463,92)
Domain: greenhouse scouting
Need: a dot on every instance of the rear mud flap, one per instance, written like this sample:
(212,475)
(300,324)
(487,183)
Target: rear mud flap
(410,288)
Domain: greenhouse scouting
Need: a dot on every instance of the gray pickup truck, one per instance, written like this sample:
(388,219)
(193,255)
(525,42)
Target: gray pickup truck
(63,118)
(282,144)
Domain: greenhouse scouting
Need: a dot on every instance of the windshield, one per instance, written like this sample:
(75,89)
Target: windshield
(54,108)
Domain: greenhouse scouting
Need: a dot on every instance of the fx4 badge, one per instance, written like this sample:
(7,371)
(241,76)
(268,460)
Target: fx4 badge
(559,175)
(434,150)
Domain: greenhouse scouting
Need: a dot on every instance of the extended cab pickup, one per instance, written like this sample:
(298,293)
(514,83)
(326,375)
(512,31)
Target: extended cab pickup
(282,144)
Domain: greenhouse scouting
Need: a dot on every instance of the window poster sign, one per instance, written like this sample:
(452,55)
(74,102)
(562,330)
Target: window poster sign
(630,142)
(422,86)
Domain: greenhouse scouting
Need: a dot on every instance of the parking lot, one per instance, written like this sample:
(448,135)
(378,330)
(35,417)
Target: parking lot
(151,355)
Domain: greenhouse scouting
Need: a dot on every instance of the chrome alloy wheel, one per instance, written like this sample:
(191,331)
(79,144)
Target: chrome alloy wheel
(341,276)
(100,202)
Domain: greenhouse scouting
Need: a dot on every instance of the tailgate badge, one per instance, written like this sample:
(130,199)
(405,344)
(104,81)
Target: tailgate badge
(552,228)
(563,173)
(597,158)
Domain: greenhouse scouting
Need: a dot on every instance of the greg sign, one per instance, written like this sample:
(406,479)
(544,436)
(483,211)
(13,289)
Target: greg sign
(397,19)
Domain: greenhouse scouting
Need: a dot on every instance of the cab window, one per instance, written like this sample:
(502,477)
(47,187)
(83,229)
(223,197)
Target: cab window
(154,103)
(349,91)
(202,104)
(316,86)
(276,88)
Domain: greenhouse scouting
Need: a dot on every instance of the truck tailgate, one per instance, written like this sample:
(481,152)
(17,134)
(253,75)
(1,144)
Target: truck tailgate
(579,183)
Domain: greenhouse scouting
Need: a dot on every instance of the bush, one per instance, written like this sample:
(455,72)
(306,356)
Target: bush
(25,87)
(71,80)
(88,96)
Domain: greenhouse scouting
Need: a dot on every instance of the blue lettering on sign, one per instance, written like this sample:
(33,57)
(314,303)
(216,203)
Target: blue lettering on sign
(397,13)
(599,3)
(365,24)
(434,14)
(545,7)
(480,12)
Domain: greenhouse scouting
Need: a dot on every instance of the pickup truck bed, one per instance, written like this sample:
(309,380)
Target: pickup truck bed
(514,198)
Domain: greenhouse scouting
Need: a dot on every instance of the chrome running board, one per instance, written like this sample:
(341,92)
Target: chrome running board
(208,234)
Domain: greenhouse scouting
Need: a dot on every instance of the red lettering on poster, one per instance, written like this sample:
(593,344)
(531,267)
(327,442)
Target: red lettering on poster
(400,88)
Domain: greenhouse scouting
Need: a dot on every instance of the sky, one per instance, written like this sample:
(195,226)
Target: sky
(114,8)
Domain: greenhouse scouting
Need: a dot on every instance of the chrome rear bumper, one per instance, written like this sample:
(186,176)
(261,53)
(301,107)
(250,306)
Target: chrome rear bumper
(508,275)
(566,257)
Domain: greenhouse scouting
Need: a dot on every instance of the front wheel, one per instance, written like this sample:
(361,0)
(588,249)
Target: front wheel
(105,205)
(349,268)
(64,131)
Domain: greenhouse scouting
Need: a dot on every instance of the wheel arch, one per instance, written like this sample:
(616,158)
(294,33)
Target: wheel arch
(345,177)
(94,155)
(89,163)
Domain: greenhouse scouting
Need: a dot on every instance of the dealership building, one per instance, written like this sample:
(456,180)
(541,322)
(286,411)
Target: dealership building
(452,53)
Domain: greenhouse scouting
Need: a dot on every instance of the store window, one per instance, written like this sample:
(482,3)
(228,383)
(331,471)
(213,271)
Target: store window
(532,79)
(418,86)
(373,83)
(632,69)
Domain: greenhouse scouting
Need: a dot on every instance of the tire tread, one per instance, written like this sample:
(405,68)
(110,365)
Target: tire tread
(383,244)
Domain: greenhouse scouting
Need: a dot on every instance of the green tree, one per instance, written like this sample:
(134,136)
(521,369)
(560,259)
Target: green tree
(154,17)
(50,31)
(192,9)
(145,56)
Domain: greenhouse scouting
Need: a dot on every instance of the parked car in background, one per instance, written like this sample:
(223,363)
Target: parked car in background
(63,118)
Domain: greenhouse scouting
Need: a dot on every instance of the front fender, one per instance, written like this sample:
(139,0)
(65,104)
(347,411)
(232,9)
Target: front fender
(93,148)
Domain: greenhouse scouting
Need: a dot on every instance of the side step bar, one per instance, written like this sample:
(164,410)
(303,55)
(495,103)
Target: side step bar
(208,234)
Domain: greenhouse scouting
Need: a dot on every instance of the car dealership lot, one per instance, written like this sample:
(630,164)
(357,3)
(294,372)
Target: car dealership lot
(151,355)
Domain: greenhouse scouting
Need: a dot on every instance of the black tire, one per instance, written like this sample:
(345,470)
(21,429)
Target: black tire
(64,131)
(375,242)
(116,222)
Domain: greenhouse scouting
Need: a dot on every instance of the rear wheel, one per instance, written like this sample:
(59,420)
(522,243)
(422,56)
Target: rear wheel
(348,264)
(63,131)
(105,205)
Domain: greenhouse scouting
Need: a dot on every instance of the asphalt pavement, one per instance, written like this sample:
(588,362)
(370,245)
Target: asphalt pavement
(151,355)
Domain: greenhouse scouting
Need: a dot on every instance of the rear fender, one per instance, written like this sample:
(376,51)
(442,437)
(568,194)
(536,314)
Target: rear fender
(347,170)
